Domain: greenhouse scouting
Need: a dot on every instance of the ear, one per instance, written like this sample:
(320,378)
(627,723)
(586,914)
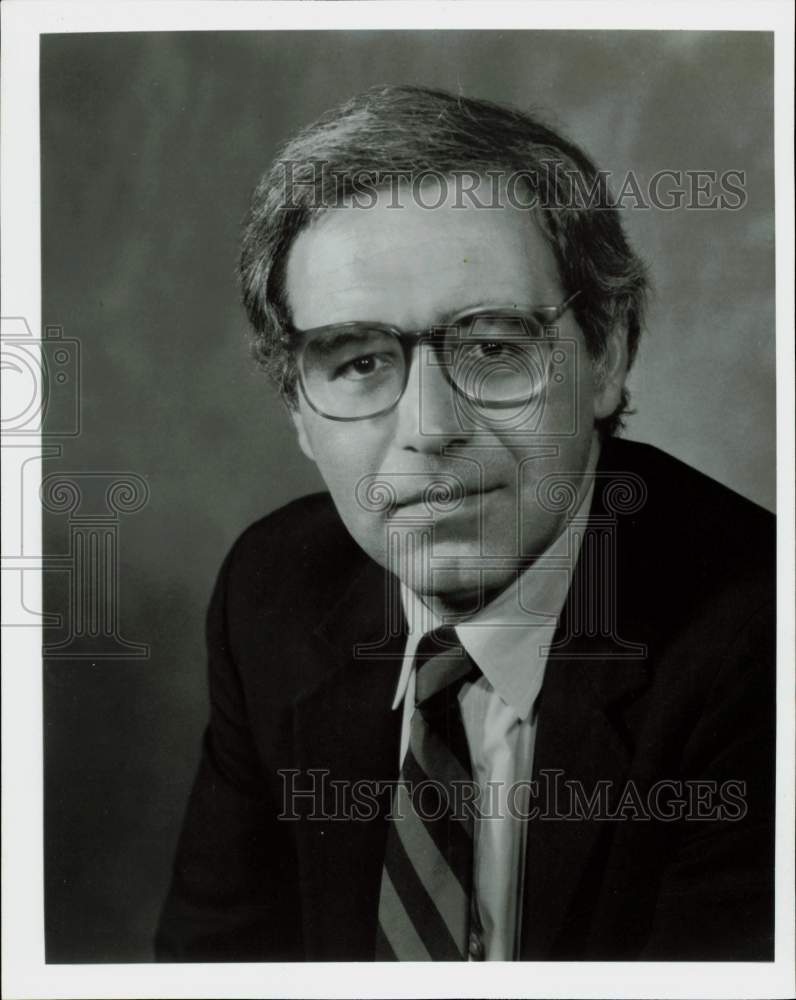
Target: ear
(301,431)
(610,372)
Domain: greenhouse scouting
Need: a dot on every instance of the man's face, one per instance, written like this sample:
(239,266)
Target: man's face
(413,268)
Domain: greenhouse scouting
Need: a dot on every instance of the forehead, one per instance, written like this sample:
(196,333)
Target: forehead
(413,265)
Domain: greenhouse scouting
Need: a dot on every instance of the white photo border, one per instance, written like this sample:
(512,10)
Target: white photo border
(25,973)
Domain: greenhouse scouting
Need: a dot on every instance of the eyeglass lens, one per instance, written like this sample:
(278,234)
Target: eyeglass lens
(358,371)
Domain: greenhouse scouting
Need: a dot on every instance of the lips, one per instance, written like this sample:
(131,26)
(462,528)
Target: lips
(442,496)
(418,493)
(439,493)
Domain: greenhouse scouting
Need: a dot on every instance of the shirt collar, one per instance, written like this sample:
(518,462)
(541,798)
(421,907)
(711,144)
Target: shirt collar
(510,637)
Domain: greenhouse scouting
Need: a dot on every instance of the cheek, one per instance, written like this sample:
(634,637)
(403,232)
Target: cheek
(563,417)
(566,428)
(346,455)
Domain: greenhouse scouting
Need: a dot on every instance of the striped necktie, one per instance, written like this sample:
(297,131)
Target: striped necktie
(424,907)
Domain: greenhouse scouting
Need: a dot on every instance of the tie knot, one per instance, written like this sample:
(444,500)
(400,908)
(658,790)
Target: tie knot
(440,662)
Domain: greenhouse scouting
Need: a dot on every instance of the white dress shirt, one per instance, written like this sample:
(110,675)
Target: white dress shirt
(509,641)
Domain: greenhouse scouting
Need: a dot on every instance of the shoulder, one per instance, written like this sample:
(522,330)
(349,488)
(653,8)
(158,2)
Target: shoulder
(288,564)
(308,523)
(305,538)
(684,514)
(696,561)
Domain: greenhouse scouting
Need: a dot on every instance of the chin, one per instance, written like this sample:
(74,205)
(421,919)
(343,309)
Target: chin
(463,589)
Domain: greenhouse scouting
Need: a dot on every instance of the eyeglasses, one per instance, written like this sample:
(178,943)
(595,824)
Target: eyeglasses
(494,357)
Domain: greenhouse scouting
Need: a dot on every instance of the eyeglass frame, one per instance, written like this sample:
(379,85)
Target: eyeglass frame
(408,340)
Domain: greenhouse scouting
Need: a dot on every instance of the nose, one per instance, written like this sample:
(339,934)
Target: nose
(428,420)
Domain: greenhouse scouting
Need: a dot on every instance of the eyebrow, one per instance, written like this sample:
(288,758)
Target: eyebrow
(479,306)
(333,341)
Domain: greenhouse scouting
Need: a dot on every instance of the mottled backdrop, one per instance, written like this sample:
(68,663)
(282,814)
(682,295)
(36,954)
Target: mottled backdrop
(150,147)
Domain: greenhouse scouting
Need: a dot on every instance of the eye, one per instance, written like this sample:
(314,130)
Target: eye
(491,347)
(494,349)
(364,367)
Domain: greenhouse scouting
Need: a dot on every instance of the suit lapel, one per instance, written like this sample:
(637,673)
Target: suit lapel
(346,732)
(596,670)
(580,741)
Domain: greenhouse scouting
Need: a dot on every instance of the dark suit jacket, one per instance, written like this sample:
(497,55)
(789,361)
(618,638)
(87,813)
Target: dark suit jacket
(680,689)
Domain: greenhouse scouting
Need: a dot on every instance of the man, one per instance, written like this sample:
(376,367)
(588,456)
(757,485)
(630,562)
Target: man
(507,691)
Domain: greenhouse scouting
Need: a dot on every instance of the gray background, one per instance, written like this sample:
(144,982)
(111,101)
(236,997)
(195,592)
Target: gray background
(150,147)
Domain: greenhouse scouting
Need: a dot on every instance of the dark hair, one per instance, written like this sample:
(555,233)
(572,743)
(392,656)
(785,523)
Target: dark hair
(410,131)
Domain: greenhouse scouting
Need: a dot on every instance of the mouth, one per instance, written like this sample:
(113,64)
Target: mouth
(442,498)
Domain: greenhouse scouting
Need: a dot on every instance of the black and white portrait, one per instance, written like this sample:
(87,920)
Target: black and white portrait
(407,474)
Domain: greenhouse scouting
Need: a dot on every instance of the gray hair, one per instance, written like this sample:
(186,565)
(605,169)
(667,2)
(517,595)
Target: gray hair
(407,132)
